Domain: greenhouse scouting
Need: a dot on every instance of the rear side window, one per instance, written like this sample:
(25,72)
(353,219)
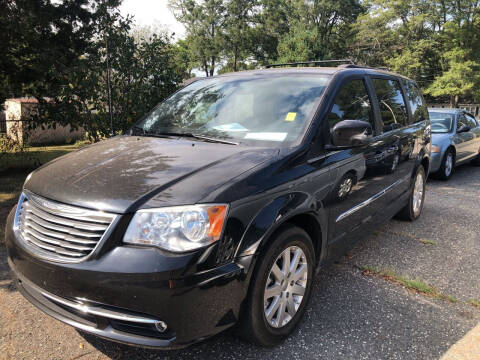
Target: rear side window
(416,101)
(392,104)
(352,102)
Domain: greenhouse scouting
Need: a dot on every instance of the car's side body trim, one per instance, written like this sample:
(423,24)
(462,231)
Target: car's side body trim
(371,200)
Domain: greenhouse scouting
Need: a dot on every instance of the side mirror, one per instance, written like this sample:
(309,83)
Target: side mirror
(351,133)
(463,128)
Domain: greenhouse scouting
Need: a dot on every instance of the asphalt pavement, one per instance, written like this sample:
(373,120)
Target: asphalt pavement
(351,315)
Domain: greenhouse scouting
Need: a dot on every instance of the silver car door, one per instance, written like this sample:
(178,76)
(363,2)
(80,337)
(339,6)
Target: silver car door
(463,140)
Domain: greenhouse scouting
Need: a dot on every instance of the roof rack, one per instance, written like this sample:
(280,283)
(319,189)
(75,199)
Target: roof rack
(353,66)
(309,63)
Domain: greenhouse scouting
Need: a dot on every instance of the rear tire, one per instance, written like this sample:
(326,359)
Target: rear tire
(416,200)
(277,287)
(448,164)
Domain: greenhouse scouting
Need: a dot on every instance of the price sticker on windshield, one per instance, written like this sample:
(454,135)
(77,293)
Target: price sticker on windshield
(291,116)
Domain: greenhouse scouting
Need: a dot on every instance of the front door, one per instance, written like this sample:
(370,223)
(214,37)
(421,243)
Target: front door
(464,141)
(474,145)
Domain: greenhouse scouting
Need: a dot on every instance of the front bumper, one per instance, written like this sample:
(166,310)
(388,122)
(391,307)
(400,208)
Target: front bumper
(436,161)
(122,294)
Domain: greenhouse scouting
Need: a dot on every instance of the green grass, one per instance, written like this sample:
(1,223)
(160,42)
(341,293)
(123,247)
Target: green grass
(415,285)
(450,298)
(34,156)
(428,241)
(474,302)
(14,168)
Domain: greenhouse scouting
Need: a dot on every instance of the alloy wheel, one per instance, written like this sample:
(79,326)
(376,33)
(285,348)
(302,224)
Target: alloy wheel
(448,164)
(418,191)
(286,286)
(345,187)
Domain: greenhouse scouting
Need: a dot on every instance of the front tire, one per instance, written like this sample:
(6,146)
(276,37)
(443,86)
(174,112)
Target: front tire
(280,288)
(448,164)
(416,200)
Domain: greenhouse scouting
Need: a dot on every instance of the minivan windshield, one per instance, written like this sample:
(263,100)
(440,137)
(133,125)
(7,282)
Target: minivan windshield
(441,122)
(271,110)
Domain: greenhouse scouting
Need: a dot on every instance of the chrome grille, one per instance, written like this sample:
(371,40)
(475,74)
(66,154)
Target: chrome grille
(57,231)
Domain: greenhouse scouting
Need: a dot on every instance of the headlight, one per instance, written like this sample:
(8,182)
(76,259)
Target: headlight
(177,229)
(435,149)
(16,219)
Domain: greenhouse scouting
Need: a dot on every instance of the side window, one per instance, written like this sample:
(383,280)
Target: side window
(416,101)
(392,104)
(351,116)
(471,121)
(351,103)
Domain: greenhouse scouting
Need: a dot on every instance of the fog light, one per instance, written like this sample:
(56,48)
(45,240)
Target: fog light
(161,326)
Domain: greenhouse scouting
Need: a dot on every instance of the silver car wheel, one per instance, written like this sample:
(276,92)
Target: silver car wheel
(418,190)
(448,164)
(345,187)
(286,286)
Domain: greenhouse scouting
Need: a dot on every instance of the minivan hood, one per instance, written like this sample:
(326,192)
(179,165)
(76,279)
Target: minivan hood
(121,174)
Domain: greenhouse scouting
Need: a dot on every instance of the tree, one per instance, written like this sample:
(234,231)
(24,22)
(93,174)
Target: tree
(390,28)
(437,43)
(300,44)
(204,23)
(142,73)
(40,39)
(183,57)
(271,24)
(319,29)
(461,79)
(146,32)
(239,33)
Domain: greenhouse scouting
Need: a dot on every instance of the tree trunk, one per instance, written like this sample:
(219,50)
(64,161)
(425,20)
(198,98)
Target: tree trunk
(212,66)
(235,59)
(454,101)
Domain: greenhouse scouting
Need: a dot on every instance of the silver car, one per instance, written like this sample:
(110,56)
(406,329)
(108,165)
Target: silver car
(455,140)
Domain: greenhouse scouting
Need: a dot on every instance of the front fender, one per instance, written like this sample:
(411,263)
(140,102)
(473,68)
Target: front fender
(278,212)
(422,156)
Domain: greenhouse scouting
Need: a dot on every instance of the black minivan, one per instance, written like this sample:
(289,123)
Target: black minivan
(221,204)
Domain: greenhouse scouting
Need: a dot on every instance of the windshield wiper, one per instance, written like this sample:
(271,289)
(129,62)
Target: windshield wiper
(166,134)
(196,136)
